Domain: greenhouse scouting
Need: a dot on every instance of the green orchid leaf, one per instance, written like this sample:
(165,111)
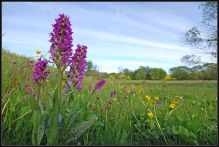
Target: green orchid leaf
(82,127)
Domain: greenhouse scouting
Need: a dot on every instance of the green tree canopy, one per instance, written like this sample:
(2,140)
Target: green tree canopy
(180,72)
(157,73)
(139,74)
(90,65)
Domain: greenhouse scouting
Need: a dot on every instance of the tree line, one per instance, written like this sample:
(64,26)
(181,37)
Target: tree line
(207,71)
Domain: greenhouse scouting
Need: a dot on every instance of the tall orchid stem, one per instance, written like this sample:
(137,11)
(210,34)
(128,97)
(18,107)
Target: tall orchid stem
(106,121)
(38,98)
(37,115)
(38,92)
(54,127)
(60,73)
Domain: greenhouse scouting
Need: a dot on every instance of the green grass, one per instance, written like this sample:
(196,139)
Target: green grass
(125,121)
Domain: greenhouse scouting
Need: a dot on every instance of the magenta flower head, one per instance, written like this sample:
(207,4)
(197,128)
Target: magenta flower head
(78,65)
(100,84)
(40,73)
(61,39)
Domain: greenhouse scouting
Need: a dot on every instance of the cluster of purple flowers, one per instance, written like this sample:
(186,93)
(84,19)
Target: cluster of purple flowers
(40,72)
(62,54)
(61,39)
(100,84)
(78,65)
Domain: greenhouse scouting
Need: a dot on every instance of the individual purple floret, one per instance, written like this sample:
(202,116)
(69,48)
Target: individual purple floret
(79,86)
(113,93)
(61,39)
(132,92)
(100,84)
(40,73)
(159,102)
(78,66)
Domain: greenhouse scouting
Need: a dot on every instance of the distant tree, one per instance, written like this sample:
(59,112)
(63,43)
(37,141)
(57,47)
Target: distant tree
(157,73)
(208,71)
(147,73)
(126,71)
(90,65)
(204,41)
(194,76)
(140,73)
(180,72)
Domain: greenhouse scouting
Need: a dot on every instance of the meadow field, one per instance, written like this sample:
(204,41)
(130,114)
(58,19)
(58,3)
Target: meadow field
(122,112)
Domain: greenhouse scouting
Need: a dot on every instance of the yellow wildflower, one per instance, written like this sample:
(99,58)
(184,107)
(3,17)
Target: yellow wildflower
(156,98)
(38,52)
(47,81)
(114,99)
(148,98)
(150,114)
(172,106)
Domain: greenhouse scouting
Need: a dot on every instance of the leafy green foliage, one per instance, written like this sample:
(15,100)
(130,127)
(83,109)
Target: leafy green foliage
(90,65)
(180,73)
(157,73)
(38,124)
(188,136)
(82,127)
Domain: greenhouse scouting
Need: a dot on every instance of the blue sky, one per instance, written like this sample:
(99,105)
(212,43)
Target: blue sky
(118,34)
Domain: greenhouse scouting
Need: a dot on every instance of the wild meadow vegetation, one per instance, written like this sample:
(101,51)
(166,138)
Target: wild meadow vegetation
(63,105)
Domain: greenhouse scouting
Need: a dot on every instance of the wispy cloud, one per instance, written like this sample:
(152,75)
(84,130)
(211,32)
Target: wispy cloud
(120,39)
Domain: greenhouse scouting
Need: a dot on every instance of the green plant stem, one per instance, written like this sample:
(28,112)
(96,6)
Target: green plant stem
(39,100)
(36,117)
(106,121)
(158,124)
(60,73)
(38,92)
(53,133)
